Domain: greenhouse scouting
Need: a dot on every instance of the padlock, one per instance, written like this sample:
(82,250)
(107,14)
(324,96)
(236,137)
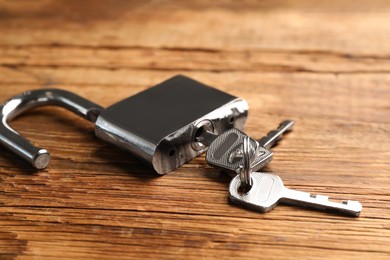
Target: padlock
(160,124)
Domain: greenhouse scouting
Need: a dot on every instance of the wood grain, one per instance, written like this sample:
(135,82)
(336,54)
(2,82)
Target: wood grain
(324,64)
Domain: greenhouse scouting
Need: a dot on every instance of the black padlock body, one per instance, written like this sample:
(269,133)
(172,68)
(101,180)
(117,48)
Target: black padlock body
(160,123)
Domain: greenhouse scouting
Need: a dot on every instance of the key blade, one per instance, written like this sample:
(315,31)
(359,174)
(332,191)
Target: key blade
(354,207)
(321,202)
(274,136)
(206,137)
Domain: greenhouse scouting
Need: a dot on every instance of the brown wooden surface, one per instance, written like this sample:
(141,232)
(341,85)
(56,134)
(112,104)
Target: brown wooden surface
(324,64)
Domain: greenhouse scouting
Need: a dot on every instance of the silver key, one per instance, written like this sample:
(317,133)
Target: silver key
(268,190)
(273,136)
(267,142)
(224,149)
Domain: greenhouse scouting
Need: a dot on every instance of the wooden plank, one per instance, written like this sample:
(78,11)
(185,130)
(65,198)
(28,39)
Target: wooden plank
(192,60)
(356,27)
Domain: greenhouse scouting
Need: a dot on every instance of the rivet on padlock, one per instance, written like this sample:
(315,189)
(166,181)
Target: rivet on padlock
(159,124)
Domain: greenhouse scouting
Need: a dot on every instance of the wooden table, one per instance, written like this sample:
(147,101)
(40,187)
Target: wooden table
(324,64)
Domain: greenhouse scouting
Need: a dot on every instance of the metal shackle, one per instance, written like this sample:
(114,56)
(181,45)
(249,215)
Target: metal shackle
(38,157)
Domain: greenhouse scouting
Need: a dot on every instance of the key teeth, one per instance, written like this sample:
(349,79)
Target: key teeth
(319,197)
(350,202)
(322,198)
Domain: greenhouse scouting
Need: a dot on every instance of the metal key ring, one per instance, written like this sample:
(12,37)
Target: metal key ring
(245,173)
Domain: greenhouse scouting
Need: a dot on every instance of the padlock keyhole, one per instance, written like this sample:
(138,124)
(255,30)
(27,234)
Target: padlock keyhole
(172,153)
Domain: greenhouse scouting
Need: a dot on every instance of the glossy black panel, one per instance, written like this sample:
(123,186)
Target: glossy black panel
(159,111)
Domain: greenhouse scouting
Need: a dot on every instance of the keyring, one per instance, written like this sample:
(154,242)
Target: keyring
(245,173)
